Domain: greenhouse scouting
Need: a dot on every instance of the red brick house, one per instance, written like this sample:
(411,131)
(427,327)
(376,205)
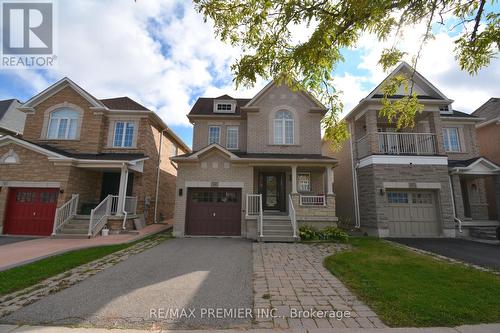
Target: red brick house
(83,163)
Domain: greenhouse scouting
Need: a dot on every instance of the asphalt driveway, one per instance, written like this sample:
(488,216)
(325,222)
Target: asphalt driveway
(481,254)
(146,290)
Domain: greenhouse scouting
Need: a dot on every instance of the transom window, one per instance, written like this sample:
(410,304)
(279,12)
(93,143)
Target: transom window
(232,137)
(283,128)
(124,134)
(450,139)
(304,181)
(63,124)
(213,134)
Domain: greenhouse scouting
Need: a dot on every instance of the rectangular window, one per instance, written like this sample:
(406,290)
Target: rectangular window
(397,197)
(450,139)
(304,181)
(124,134)
(224,107)
(213,134)
(232,137)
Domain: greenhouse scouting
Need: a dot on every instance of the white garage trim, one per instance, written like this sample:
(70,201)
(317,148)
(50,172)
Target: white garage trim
(399,159)
(209,184)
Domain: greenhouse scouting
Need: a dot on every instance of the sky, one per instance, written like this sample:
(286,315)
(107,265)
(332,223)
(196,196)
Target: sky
(163,55)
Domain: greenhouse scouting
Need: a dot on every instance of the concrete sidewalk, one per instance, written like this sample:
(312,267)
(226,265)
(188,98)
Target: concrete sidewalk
(20,253)
(483,328)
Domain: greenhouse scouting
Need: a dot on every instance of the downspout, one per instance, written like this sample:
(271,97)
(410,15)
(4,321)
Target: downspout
(455,218)
(354,181)
(158,176)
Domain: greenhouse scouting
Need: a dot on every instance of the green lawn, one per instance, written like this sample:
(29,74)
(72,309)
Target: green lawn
(21,277)
(409,289)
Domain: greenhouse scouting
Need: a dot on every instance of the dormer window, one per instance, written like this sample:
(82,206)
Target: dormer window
(221,106)
(445,109)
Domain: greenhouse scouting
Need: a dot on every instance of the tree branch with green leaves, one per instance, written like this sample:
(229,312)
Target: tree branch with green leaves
(263,31)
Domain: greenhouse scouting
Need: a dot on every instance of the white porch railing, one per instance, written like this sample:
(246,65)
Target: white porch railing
(65,213)
(293,216)
(99,216)
(254,208)
(407,143)
(130,205)
(312,200)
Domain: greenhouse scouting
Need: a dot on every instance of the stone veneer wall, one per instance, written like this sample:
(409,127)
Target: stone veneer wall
(374,212)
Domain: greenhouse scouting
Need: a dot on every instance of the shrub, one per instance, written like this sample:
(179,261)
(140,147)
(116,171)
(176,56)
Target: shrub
(309,233)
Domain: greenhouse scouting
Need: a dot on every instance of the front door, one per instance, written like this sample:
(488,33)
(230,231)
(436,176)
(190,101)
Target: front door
(272,188)
(111,184)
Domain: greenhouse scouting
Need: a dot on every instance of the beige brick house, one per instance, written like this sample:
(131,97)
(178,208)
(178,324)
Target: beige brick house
(256,169)
(488,135)
(426,181)
(83,163)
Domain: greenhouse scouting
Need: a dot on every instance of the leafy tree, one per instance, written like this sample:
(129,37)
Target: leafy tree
(262,29)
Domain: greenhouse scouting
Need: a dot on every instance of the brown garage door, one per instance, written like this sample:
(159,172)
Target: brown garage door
(213,212)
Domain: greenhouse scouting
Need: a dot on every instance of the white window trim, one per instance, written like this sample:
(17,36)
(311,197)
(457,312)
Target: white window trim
(298,183)
(44,135)
(232,127)
(447,139)
(283,129)
(112,128)
(218,140)
(175,150)
(230,102)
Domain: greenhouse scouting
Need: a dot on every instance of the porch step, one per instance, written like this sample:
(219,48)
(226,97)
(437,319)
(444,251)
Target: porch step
(489,233)
(277,217)
(73,236)
(78,227)
(278,239)
(282,227)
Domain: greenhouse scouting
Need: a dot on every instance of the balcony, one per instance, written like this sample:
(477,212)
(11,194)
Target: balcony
(391,143)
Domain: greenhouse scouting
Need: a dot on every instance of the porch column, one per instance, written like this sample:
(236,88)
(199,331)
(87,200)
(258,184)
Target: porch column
(329,180)
(457,196)
(122,191)
(496,191)
(294,179)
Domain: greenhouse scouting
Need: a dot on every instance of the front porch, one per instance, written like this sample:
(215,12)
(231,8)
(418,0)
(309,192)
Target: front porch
(286,197)
(468,183)
(109,203)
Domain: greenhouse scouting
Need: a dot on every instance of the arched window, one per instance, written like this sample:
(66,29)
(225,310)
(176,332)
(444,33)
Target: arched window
(63,124)
(283,128)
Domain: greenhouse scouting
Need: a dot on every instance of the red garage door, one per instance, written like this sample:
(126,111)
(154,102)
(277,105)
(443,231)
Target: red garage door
(30,211)
(213,212)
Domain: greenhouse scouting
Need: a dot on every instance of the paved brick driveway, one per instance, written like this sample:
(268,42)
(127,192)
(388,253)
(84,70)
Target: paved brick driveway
(291,277)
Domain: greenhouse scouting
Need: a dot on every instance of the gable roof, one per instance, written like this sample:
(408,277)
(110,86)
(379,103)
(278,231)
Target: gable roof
(56,87)
(272,83)
(460,114)
(489,110)
(123,103)
(418,79)
(476,166)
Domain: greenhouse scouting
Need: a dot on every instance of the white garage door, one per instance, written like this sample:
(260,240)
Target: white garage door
(412,214)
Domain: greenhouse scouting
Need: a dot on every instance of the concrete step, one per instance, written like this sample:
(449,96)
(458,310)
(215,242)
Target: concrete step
(276,217)
(74,231)
(74,236)
(75,226)
(483,233)
(80,216)
(284,227)
(278,239)
(273,232)
(276,222)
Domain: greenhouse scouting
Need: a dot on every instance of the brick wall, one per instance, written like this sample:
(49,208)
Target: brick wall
(200,132)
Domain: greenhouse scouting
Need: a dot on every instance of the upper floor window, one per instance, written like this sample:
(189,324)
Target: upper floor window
(450,139)
(224,107)
(283,128)
(444,108)
(63,124)
(232,137)
(213,134)
(124,134)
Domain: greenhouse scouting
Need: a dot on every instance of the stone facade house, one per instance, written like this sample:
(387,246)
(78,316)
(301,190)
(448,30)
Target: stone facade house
(256,169)
(83,163)
(425,181)
(488,135)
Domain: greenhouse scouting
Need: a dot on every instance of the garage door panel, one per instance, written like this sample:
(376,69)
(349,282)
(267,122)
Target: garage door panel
(213,212)
(412,214)
(30,211)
